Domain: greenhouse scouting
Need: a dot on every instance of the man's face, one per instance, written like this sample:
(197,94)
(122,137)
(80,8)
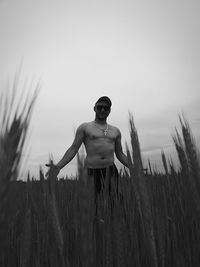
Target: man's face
(102,110)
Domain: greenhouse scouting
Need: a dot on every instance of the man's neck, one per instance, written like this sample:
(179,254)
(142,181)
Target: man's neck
(103,122)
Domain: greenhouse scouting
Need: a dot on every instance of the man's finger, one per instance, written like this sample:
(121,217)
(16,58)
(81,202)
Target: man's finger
(48,165)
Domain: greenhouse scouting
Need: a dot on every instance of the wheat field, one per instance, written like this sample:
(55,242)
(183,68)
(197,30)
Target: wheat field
(153,220)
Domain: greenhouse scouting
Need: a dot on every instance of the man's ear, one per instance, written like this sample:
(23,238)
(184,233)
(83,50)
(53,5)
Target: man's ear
(94,108)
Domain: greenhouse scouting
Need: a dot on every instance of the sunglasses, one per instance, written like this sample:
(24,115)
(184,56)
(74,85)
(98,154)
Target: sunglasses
(106,108)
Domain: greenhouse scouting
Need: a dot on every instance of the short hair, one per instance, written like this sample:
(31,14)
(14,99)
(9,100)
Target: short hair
(104,99)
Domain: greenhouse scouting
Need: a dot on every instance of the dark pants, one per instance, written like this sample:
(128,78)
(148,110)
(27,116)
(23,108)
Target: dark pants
(106,181)
(105,178)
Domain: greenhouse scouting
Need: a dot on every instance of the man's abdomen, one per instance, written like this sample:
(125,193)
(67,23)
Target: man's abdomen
(98,161)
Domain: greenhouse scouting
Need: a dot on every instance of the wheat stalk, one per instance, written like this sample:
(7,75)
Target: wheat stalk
(25,248)
(164,161)
(15,115)
(142,188)
(189,168)
(191,151)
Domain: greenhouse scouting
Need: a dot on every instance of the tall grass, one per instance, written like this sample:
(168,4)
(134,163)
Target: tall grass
(14,121)
(152,221)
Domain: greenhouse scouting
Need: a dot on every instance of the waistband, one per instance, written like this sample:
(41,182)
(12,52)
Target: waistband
(104,168)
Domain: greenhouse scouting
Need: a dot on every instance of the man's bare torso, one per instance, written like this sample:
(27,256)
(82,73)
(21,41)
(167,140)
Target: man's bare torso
(99,147)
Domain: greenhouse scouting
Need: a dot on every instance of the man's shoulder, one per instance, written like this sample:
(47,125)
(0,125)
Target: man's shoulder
(83,125)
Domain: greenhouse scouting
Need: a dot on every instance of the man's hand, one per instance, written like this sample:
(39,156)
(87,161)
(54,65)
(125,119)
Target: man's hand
(54,168)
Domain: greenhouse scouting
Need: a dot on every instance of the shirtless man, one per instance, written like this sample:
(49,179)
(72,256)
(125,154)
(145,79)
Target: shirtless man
(101,141)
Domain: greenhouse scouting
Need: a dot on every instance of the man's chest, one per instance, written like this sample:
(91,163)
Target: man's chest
(104,134)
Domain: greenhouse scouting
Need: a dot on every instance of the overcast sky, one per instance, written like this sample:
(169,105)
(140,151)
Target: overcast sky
(143,54)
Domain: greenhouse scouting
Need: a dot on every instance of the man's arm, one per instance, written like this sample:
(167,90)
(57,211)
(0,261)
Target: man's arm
(73,149)
(119,152)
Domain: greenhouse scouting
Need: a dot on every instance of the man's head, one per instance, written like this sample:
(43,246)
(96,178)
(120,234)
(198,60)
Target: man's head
(102,107)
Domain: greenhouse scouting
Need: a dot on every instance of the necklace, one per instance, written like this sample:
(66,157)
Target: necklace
(105,131)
